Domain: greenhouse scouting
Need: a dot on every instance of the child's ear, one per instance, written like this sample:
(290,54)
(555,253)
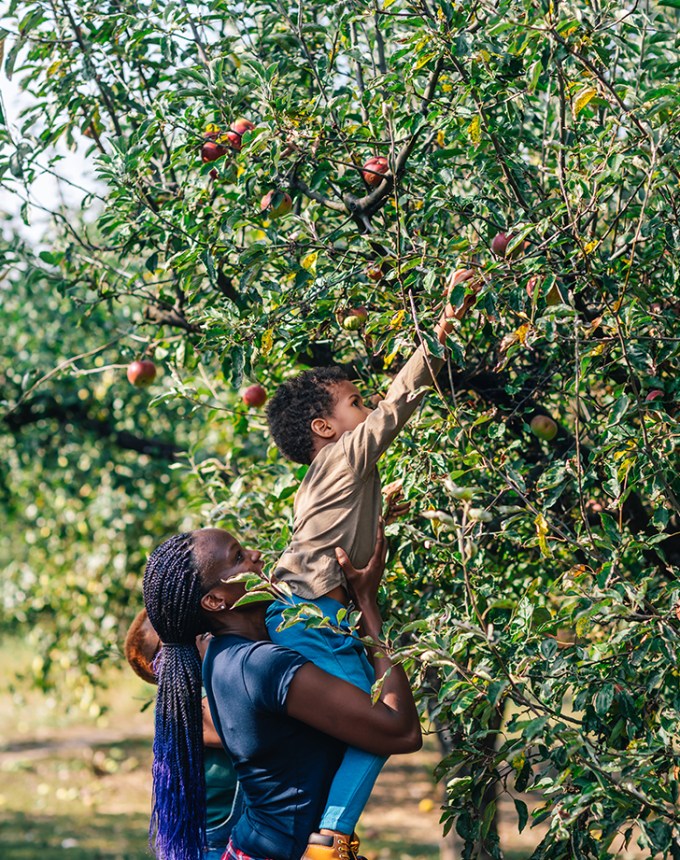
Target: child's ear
(321,427)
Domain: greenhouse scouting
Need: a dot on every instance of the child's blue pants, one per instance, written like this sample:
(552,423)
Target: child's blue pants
(341,655)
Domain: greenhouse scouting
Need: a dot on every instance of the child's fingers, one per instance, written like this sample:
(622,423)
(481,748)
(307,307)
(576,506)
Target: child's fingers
(457,277)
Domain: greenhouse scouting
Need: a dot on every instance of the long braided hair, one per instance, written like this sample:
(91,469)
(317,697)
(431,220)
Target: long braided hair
(172,594)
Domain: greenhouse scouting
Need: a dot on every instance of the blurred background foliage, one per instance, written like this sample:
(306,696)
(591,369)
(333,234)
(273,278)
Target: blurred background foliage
(533,587)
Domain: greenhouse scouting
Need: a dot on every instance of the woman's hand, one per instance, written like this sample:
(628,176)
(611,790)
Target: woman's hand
(363,582)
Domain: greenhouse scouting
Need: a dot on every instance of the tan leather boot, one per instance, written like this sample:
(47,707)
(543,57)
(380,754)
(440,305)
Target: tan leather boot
(322,846)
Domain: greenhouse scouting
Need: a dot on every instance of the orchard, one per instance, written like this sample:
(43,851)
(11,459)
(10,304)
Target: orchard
(292,186)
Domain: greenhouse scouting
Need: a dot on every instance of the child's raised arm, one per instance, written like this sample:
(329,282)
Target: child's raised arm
(364,445)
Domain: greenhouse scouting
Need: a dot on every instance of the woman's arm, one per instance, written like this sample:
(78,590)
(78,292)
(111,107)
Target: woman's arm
(340,709)
(210,736)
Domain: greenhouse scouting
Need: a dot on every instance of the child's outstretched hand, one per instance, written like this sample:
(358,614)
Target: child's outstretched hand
(364,581)
(458,277)
(445,324)
(395,504)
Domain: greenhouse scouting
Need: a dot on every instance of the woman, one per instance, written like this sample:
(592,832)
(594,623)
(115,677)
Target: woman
(283,720)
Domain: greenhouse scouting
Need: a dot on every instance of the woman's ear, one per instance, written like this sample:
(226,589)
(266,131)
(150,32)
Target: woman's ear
(213,602)
(321,427)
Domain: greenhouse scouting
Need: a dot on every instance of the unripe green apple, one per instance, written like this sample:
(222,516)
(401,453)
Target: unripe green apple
(543,427)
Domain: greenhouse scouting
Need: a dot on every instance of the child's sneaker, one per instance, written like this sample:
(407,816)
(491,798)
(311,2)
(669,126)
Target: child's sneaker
(322,846)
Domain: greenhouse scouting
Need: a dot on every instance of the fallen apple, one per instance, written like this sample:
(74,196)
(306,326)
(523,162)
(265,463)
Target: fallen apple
(374,170)
(141,372)
(254,395)
(543,427)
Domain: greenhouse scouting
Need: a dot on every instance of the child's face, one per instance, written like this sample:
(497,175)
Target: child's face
(349,410)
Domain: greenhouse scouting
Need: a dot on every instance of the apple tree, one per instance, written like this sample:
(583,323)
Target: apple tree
(284,185)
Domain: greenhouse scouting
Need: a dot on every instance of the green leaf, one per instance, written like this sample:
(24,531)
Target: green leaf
(603,699)
(522,814)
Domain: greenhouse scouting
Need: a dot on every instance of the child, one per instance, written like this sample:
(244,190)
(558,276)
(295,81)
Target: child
(319,418)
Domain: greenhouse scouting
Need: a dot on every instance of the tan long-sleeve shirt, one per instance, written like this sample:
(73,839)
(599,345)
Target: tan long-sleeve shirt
(339,502)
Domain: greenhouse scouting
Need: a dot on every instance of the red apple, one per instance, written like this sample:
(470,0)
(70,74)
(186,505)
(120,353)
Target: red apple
(374,271)
(141,373)
(211,151)
(543,427)
(276,203)
(499,243)
(374,169)
(354,318)
(241,125)
(234,139)
(254,395)
(532,283)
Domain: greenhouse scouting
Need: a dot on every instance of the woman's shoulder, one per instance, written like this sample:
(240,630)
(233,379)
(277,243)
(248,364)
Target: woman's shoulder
(252,654)
(260,669)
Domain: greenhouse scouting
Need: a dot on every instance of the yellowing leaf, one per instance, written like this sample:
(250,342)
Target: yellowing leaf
(423,61)
(440,138)
(582,99)
(309,262)
(474,130)
(523,333)
(398,319)
(390,358)
(542,531)
(589,247)
(267,342)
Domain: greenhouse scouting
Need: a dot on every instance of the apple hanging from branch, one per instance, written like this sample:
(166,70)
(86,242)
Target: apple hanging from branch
(141,373)
(543,427)
(254,396)
(355,318)
(276,203)
(374,170)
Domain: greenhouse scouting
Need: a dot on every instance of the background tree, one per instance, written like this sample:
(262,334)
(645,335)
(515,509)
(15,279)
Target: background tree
(537,574)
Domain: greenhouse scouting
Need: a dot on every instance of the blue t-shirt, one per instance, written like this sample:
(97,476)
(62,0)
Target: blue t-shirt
(284,766)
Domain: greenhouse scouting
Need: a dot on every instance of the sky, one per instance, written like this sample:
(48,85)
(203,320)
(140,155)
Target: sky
(46,191)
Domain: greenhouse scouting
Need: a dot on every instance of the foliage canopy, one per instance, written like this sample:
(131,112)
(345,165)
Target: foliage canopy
(532,578)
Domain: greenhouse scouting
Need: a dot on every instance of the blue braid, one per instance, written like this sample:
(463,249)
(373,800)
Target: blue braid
(172,594)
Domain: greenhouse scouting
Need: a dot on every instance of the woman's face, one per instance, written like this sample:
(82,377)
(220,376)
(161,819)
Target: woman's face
(220,557)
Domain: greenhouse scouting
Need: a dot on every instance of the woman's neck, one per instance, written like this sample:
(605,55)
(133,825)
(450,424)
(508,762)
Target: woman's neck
(248,624)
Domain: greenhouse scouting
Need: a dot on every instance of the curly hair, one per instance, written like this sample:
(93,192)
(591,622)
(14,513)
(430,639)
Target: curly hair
(296,404)
(141,648)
